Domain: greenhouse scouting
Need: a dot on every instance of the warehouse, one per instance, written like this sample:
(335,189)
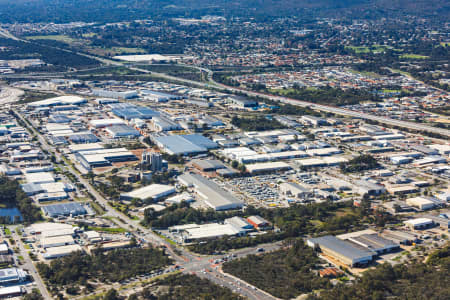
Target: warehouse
(422,203)
(177,199)
(122,131)
(239,222)
(208,165)
(62,100)
(419,223)
(267,167)
(85,147)
(50,229)
(12,275)
(164,124)
(64,209)
(130,111)
(153,191)
(323,151)
(213,195)
(104,157)
(49,188)
(370,188)
(57,241)
(258,222)
(56,252)
(241,102)
(295,190)
(106,122)
(12,291)
(39,178)
(311,163)
(184,144)
(342,251)
(401,237)
(115,94)
(374,242)
(83,138)
(159,96)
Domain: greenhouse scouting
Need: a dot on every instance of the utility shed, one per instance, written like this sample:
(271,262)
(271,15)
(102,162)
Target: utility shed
(342,251)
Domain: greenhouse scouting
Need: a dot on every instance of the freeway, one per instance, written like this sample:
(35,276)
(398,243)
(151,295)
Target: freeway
(218,86)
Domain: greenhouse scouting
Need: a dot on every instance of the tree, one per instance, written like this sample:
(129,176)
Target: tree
(111,295)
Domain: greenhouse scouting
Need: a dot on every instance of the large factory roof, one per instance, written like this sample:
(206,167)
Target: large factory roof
(64,209)
(214,196)
(185,144)
(343,248)
(153,191)
(130,111)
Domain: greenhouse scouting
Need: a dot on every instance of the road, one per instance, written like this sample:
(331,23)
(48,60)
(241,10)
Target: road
(28,264)
(189,262)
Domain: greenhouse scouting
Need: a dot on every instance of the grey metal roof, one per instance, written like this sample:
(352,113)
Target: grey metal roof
(215,196)
(64,209)
(342,247)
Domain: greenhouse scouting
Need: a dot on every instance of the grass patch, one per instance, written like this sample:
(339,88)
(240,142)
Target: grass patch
(98,209)
(108,229)
(414,56)
(33,96)
(55,37)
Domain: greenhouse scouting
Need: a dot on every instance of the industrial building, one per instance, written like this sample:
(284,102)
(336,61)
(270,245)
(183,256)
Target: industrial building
(258,222)
(72,209)
(342,251)
(106,122)
(267,167)
(153,192)
(12,291)
(152,161)
(115,94)
(159,96)
(104,157)
(12,275)
(213,195)
(400,237)
(244,103)
(295,190)
(39,178)
(422,203)
(122,131)
(370,241)
(57,101)
(162,123)
(56,252)
(184,144)
(57,241)
(130,111)
(50,229)
(368,187)
(235,226)
(208,165)
(419,223)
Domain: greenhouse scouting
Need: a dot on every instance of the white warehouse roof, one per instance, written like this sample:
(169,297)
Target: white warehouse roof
(153,191)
